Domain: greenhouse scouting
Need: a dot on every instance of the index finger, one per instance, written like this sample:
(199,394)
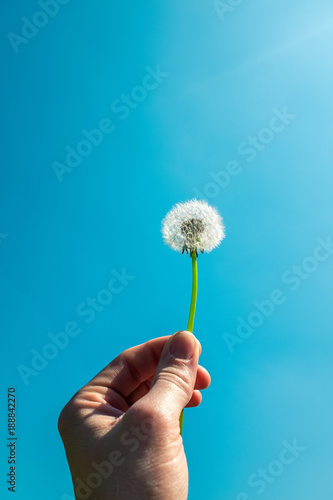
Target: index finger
(131,368)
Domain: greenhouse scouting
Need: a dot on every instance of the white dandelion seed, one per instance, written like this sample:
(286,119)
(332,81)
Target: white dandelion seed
(193,226)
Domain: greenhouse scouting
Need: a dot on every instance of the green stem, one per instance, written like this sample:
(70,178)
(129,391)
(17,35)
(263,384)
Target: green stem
(194,292)
(192,313)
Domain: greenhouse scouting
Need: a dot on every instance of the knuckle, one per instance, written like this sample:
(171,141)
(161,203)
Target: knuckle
(181,378)
(149,414)
(68,415)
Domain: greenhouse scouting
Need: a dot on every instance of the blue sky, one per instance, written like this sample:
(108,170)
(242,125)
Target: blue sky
(237,109)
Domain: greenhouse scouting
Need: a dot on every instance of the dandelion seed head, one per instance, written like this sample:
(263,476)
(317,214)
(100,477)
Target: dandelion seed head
(193,226)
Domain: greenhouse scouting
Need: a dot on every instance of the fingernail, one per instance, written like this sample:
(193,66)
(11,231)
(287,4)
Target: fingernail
(182,345)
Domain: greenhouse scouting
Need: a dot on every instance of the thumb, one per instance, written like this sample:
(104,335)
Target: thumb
(173,383)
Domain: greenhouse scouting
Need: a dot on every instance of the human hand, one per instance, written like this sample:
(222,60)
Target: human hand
(121,430)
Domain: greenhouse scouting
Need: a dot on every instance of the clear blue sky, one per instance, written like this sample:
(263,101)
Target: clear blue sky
(229,103)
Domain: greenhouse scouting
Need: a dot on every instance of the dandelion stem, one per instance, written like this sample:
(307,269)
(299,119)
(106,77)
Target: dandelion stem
(194,292)
(191,316)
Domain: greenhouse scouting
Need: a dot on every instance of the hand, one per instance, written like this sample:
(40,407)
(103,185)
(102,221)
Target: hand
(121,430)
